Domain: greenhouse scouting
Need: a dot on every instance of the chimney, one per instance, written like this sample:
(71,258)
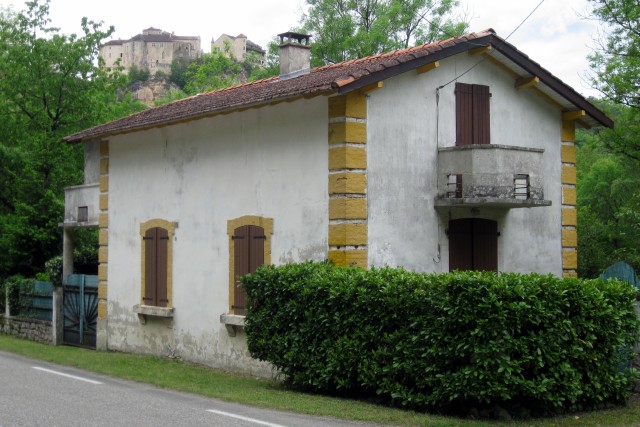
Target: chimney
(295,55)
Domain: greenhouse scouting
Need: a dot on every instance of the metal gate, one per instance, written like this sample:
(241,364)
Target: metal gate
(80,307)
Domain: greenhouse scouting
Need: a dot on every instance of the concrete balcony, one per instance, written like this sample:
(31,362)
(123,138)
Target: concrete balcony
(81,205)
(489,175)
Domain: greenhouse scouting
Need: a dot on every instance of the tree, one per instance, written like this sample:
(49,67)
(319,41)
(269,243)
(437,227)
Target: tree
(51,85)
(617,61)
(136,74)
(178,76)
(212,71)
(616,67)
(349,29)
(608,200)
(270,63)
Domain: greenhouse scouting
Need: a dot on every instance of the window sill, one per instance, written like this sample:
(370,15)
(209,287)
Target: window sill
(147,310)
(232,322)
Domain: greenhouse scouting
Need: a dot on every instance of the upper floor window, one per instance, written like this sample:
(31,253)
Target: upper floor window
(472,114)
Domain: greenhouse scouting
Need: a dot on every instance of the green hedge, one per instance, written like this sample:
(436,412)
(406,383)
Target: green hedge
(445,341)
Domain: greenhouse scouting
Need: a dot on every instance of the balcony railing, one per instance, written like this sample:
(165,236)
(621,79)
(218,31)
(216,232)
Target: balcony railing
(81,205)
(491,176)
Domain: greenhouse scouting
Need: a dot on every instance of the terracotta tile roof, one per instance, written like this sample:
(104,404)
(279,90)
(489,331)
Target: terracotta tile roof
(341,77)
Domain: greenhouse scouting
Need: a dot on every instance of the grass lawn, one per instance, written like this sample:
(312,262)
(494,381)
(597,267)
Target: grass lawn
(188,377)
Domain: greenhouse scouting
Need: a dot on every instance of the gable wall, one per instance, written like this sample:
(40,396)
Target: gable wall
(405,127)
(269,162)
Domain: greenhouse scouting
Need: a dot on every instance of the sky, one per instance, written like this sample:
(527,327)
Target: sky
(557,35)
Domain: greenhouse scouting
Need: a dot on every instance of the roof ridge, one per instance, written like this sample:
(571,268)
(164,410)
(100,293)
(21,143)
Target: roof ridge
(399,52)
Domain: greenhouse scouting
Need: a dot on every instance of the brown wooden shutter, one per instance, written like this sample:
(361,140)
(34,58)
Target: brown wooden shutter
(460,248)
(473,244)
(241,267)
(481,117)
(485,245)
(256,257)
(464,114)
(162,250)
(248,255)
(156,241)
(149,241)
(472,114)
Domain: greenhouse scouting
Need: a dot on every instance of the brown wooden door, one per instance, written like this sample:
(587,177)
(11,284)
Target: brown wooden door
(248,255)
(156,241)
(473,244)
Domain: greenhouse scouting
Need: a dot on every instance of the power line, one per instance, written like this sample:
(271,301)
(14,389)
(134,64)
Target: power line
(482,59)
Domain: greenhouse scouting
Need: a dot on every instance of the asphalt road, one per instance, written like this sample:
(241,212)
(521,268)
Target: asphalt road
(34,393)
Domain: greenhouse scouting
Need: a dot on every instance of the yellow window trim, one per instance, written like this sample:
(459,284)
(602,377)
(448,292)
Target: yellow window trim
(232,225)
(171,228)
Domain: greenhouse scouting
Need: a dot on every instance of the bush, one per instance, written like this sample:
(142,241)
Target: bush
(17,289)
(53,267)
(445,341)
(138,74)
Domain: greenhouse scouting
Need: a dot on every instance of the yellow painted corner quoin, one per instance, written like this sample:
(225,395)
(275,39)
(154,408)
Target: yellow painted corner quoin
(353,132)
(348,208)
(347,234)
(356,257)
(569,216)
(347,157)
(347,183)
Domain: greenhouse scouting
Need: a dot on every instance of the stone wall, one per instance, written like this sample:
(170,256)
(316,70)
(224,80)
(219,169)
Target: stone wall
(25,328)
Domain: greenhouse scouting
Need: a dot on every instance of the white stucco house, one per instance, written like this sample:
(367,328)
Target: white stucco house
(453,155)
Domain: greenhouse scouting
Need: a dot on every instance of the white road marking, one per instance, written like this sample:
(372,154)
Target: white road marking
(240,417)
(62,374)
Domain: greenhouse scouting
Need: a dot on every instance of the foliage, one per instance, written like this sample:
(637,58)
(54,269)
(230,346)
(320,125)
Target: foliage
(271,63)
(50,86)
(172,95)
(85,253)
(455,340)
(138,74)
(178,75)
(17,289)
(53,267)
(617,61)
(212,71)
(349,29)
(608,199)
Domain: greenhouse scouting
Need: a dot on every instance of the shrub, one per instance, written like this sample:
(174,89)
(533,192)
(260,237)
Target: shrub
(17,289)
(445,341)
(53,267)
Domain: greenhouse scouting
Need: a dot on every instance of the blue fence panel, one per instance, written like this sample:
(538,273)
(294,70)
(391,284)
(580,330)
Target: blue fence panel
(621,271)
(37,300)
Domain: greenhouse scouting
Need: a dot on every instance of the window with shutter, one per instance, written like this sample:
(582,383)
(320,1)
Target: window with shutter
(473,244)
(472,114)
(249,248)
(155,241)
(249,255)
(156,262)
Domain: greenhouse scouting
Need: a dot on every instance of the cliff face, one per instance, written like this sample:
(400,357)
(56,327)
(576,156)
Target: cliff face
(151,90)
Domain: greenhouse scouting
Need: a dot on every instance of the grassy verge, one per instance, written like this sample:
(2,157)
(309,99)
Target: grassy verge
(187,377)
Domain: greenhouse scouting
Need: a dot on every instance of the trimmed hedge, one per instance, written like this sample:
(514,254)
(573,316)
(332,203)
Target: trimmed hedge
(445,341)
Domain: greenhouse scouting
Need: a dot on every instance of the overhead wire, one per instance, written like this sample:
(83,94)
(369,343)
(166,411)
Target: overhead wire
(483,58)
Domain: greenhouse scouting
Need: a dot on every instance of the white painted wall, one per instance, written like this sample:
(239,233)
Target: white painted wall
(407,122)
(270,162)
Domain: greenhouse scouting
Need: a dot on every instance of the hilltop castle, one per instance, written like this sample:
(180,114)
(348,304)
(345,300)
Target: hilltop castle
(153,50)
(239,46)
